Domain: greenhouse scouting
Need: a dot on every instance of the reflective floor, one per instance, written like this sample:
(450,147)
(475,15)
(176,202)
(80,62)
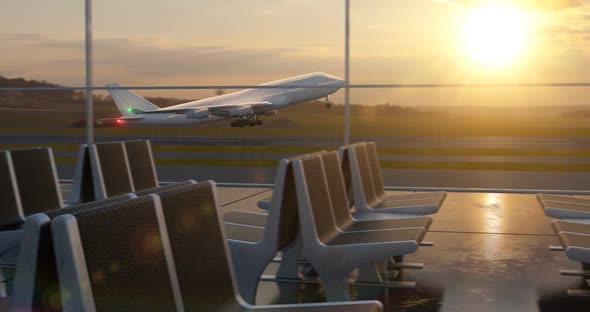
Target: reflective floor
(490,253)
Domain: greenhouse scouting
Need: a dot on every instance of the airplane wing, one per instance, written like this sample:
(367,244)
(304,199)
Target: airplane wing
(213,107)
(221,110)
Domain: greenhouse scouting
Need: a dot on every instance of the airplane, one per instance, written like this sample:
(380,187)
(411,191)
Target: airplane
(246,106)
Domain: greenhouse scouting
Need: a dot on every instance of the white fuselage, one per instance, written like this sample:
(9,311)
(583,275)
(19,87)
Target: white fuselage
(278,98)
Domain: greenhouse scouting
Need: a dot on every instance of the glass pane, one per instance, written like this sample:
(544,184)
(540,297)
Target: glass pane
(42,44)
(497,137)
(222,43)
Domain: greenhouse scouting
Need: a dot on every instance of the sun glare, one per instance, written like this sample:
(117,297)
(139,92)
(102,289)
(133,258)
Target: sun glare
(494,34)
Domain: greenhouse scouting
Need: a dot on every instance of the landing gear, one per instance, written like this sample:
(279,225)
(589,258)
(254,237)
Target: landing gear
(328,103)
(250,120)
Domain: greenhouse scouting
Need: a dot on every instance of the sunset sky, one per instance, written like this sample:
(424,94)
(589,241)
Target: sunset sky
(253,41)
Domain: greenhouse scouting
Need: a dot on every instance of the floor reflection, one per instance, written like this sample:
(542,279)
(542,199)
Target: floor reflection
(500,263)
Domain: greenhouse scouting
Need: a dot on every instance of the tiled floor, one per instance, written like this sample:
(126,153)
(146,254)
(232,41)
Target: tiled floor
(490,253)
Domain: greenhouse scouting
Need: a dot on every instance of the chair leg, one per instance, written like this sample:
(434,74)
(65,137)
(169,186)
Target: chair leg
(4,284)
(369,273)
(249,264)
(289,267)
(248,275)
(336,286)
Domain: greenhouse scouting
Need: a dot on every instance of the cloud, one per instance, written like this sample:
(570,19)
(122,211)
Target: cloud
(149,61)
(19,36)
(533,4)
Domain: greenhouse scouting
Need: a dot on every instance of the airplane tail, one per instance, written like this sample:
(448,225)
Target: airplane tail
(128,102)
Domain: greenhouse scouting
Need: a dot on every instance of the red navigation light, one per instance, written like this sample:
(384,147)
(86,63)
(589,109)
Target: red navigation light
(119,121)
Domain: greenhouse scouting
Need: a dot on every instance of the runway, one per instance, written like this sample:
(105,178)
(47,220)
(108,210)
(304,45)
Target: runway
(166,143)
(269,140)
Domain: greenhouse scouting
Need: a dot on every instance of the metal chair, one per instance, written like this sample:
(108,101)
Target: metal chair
(378,185)
(36,176)
(265,203)
(36,287)
(347,223)
(577,248)
(365,199)
(201,254)
(111,175)
(83,188)
(116,258)
(339,203)
(333,253)
(11,212)
(565,207)
(141,164)
(252,248)
(37,183)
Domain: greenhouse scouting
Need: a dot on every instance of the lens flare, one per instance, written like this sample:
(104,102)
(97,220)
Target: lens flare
(495,34)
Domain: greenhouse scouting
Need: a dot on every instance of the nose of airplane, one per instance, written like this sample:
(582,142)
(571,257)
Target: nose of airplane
(337,79)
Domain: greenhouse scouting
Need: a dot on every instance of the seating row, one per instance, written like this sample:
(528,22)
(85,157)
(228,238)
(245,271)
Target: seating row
(160,252)
(311,190)
(113,168)
(365,187)
(30,185)
(572,225)
(309,218)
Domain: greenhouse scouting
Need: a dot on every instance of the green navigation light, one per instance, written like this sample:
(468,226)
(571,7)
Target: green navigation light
(130,109)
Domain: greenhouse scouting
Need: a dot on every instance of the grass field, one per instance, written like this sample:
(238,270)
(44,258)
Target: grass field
(388,164)
(416,165)
(327,124)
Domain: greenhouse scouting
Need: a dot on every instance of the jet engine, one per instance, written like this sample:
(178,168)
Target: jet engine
(235,111)
(198,114)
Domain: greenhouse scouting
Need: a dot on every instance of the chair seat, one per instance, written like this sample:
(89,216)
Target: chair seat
(561,210)
(246,218)
(243,232)
(571,227)
(422,222)
(577,246)
(564,199)
(345,307)
(419,195)
(410,236)
(412,206)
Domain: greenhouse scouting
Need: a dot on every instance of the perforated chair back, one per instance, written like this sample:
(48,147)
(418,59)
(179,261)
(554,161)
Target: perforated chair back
(141,164)
(376,174)
(11,211)
(199,248)
(36,286)
(336,189)
(116,258)
(360,162)
(344,153)
(37,180)
(319,196)
(83,189)
(283,211)
(110,170)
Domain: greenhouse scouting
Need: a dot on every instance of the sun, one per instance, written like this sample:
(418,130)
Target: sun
(495,34)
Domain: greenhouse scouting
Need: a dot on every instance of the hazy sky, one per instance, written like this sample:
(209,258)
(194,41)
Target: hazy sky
(253,41)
